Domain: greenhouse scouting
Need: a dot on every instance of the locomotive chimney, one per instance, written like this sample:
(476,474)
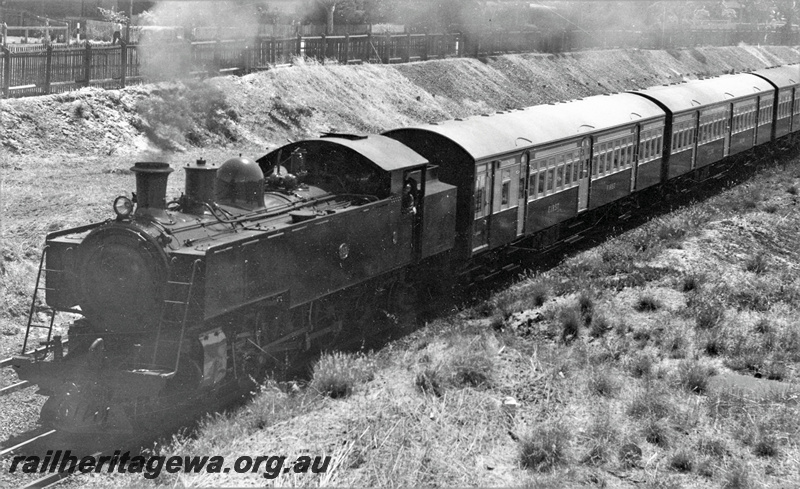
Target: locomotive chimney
(199,186)
(151,185)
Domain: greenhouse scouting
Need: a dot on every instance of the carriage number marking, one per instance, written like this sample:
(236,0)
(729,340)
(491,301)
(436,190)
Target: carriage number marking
(554,207)
(611,186)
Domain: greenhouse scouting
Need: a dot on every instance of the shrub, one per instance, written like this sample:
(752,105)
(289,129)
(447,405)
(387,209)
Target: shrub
(771,209)
(693,376)
(336,374)
(545,447)
(647,303)
(792,190)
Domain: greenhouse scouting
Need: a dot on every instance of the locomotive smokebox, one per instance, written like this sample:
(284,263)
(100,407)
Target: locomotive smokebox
(151,185)
(199,186)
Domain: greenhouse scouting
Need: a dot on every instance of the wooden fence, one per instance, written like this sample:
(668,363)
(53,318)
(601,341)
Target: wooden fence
(61,68)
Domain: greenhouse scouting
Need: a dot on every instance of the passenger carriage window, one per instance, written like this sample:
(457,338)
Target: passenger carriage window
(540,183)
(559,176)
(568,173)
(550,178)
(575,170)
(599,162)
(480,183)
(505,190)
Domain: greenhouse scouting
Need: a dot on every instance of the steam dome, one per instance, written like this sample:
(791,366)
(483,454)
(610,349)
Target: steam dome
(240,183)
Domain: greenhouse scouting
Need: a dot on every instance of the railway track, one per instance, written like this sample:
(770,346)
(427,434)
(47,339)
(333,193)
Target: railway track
(26,443)
(23,384)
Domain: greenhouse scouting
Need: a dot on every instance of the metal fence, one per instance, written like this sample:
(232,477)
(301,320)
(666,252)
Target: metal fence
(58,68)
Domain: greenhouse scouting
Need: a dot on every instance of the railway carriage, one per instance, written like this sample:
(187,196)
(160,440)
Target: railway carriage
(708,120)
(523,171)
(786,80)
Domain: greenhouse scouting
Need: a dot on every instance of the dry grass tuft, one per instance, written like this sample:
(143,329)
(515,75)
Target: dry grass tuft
(682,461)
(603,383)
(650,403)
(465,361)
(602,436)
(658,432)
(647,303)
(756,264)
(337,374)
(641,365)
(693,376)
(430,381)
(545,447)
(738,477)
(571,322)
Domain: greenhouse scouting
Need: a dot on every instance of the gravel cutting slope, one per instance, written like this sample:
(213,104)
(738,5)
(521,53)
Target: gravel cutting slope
(266,108)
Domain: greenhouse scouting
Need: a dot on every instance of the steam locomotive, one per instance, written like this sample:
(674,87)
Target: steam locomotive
(190,299)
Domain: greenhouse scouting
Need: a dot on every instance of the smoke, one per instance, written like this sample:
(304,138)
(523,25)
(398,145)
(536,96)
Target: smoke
(164,46)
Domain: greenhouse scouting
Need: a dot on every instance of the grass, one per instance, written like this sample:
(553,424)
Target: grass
(757,264)
(603,383)
(682,461)
(647,303)
(545,447)
(693,376)
(461,361)
(337,374)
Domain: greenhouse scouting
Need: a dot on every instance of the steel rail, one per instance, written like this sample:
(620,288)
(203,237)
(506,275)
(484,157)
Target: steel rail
(10,450)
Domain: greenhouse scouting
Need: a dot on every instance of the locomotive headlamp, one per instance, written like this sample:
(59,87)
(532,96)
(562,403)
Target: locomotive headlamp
(123,207)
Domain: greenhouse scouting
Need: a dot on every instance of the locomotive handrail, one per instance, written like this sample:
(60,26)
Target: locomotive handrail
(195,268)
(77,230)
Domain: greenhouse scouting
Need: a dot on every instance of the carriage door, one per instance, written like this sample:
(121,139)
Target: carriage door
(633,153)
(481,206)
(523,192)
(413,194)
(727,127)
(583,176)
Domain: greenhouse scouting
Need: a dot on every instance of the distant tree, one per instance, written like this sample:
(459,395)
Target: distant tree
(113,15)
